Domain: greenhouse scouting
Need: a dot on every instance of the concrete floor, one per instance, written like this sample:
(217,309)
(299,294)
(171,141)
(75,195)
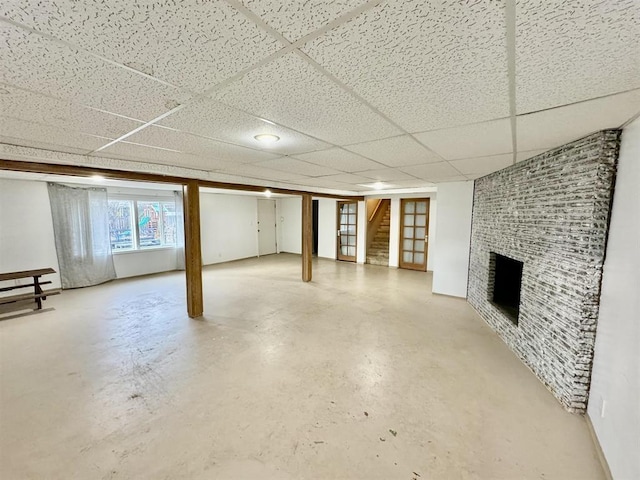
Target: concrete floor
(360,374)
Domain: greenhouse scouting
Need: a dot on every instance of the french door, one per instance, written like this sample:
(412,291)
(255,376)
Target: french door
(347,230)
(414,228)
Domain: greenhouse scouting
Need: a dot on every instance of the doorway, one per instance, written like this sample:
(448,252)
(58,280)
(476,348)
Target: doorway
(267,242)
(414,228)
(347,230)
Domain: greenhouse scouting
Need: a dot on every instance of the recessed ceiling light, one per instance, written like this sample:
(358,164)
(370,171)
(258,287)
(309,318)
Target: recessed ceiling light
(378,186)
(267,138)
(97,178)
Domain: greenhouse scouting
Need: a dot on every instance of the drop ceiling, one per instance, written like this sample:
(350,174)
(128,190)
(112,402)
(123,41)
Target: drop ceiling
(405,92)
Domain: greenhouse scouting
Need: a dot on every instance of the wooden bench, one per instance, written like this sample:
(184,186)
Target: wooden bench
(25,301)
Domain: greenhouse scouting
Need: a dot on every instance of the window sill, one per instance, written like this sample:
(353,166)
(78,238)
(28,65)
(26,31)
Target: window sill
(141,250)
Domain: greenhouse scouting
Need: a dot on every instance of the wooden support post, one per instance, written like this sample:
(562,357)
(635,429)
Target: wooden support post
(192,248)
(307,236)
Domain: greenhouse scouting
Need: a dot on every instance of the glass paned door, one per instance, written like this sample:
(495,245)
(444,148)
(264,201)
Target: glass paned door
(347,230)
(414,228)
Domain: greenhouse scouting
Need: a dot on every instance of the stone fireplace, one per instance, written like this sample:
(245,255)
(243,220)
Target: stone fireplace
(538,240)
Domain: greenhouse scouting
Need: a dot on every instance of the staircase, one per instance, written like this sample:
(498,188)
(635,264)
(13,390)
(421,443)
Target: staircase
(378,251)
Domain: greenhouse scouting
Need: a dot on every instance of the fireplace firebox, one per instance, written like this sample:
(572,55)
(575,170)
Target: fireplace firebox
(504,284)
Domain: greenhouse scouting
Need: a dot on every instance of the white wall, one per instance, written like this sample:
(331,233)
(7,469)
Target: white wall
(327,228)
(290,224)
(451,262)
(615,379)
(144,262)
(228,229)
(394,234)
(26,230)
(361,238)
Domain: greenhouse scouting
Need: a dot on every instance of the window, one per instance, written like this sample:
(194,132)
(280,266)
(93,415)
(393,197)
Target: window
(155,224)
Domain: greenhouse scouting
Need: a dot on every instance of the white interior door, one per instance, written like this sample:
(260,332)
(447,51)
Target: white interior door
(266,227)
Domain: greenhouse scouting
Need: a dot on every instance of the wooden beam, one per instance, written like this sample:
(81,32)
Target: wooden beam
(82,171)
(192,248)
(307,236)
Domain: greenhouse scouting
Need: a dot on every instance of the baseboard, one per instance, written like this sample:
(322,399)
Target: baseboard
(599,451)
(450,296)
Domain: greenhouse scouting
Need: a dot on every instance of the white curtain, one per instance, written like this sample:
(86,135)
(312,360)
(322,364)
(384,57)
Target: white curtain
(81,229)
(179,231)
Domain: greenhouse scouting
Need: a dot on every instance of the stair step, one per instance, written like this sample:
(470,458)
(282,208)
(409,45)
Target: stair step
(378,261)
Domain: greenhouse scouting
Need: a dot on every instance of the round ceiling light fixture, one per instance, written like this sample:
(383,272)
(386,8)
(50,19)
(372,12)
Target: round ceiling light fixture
(378,186)
(267,138)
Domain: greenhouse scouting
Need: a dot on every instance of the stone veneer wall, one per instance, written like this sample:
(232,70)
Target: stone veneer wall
(552,213)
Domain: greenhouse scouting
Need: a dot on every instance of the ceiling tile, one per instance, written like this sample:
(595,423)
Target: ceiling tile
(215,120)
(424,64)
(192,44)
(321,182)
(483,165)
(295,19)
(476,140)
(413,183)
(339,159)
(386,175)
(299,167)
(522,156)
(572,51)
(256,171)
(37,108)
(289,91)
(32,134)
(205,147)
(42,146)
(36,63)
(431,172)
(143,153)
(348,178)
(396,151)
(555,127)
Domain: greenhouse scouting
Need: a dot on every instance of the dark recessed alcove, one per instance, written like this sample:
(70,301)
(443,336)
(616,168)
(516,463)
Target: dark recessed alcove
(505,280)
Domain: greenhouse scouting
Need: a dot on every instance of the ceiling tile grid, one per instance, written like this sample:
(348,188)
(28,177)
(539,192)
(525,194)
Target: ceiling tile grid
(53,136)
(193,44)
(569,51)
(290,92)
(386,175)
(33,107)
(218,121)
(295,19)
(432,171)
(263,173)
(425,65)
(475,140)
(60,150)
(144,153)
(483,165)
(171,139)
(36,63)
(339,159)
(555,127)
(397,151)
(288,164)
